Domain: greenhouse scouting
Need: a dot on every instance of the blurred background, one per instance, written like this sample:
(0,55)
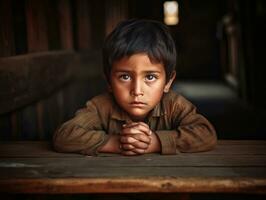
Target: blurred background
(50,60)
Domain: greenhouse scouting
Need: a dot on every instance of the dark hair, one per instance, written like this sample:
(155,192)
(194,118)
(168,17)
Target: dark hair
(140,36)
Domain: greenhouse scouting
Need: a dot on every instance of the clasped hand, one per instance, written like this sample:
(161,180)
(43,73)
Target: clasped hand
(136,137)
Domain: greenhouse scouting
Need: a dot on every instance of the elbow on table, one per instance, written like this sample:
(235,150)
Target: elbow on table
(210,144)
(61,143)
(206,143)
(57,144)
(200,147)
(209,140)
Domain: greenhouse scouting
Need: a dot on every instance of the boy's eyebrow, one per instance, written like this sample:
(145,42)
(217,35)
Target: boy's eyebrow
(152,71)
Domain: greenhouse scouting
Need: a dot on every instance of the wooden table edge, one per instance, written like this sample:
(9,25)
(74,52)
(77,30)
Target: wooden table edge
(133,185)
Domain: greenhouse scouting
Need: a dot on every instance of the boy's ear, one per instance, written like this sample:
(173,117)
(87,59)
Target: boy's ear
(169,83)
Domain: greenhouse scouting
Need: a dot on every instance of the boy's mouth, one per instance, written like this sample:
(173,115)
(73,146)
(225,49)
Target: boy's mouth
(138,103)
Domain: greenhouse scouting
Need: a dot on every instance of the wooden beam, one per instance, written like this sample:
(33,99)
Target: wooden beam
(65,21)
(115,11)
(7,46)
(26,78)
(36,26)
(83,24)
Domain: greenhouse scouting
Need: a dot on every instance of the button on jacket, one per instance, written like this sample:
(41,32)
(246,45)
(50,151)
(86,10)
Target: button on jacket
(175,121)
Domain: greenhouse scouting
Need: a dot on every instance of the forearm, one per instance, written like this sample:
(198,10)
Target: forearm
(201,137)
(191,132)
(186,139)
(70,138)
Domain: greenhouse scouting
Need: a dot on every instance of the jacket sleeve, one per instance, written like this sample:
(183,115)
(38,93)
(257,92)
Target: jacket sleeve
(191,131)
(82,134)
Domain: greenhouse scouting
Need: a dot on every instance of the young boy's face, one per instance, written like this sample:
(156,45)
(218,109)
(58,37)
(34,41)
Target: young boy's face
(138,84)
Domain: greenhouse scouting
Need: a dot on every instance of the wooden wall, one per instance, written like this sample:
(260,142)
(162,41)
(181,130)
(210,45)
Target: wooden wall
(252,17)
(50,53)
(50,61)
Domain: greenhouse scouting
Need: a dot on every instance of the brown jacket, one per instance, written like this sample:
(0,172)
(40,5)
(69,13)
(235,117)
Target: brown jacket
(175,120)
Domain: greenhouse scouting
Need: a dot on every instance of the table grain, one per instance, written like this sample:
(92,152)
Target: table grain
(234,166)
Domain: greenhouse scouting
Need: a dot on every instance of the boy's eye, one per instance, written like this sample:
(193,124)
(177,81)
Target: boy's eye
(124,77)
(150,77)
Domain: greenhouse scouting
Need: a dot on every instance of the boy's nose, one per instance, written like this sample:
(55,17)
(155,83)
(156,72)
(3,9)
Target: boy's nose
(136,89)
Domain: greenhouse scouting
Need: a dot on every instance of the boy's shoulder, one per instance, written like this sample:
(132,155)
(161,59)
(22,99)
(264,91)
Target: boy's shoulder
(105,106)
(104,99)
(174,99)
(173,96)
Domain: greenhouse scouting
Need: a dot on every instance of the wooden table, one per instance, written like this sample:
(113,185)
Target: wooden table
(233,167)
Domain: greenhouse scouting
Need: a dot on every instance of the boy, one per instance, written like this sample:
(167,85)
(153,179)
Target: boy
(139,114)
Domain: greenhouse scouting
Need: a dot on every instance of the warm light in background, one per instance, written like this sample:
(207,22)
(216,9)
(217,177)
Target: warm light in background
(170,12)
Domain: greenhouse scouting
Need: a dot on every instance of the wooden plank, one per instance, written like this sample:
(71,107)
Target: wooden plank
(53,25)
(20,27)
(5,127)
(43,148)
(98,33)
(85,168)
(238,149)
(42,35)
(7,39)
(26,78)
(30,149)
(40,120)
(51,119)
(15,125)
(146,161)
(115,11)
(36,26)
(83,24)
(242,142)
(55,173)
(61,106)
(65,22)
(133,185)
(29,123)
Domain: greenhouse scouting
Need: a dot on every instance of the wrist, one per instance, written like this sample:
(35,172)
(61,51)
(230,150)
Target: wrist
(155,146)
(112,145)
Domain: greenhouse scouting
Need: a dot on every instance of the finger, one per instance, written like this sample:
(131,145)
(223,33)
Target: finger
(127,139)
(131,131)
(131,139)
(142,138)
(137,128)
(128,143)
(140,145)
(139,151)
(129,153)
(144,124)
(127,146)
(144,128)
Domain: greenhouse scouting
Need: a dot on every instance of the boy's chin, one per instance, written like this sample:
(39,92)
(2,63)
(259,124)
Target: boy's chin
(138,116)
